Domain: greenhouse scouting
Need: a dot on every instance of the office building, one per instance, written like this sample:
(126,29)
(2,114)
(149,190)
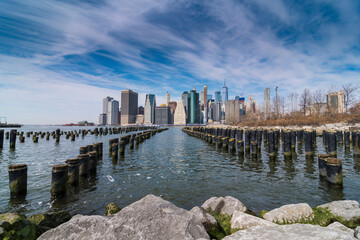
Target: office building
(129,106)
(162,115)
(209,96)
(167,98)
(140,110)
(140,119)
(112,113)
(102,119)
(149,111)
(267,106)
(224,94)
(232,111)
(202,99)
(194,107)
(217,96)
(180,115)
(185,99)
(172,106)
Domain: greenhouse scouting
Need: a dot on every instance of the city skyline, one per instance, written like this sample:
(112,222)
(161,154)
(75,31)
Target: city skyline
(58,60)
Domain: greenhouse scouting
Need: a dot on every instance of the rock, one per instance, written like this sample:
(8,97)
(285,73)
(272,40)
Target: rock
(337,225)
(13,218)
(347,209)
(37,219)
(111,209)
(207,220)
(149,218)
(50,220)
(293,231)
(5,225)
(242,220)
(290,213)
(357,232)
(224,205)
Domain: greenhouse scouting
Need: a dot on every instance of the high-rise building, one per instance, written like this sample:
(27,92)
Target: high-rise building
(237,97)
(172,106)
(105,104)
(167,98)
(232,111)
(224,94)
(209,96)
(129,106)
(113,113)
(179,115)
(162,115)
(205,96)
(267,103)
(185,99)
(217,113)
(149,111)
(140,110)
(217,96)
(102,119)
(202,99)
(194,107)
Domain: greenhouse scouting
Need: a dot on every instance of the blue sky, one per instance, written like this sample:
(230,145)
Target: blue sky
(58,59)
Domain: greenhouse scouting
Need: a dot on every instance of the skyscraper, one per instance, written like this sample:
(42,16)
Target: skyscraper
(224,94)
(205,96)
(186,102)
(194,107)
(167,98)
(266,103)
(113,113)
(217,96)
(129,105)
(103,116)
(202,99)
(149,111)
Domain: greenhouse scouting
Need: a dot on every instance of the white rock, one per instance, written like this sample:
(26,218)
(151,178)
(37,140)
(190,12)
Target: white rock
(337,225)
(242,220)
(224,205)
(149,218)
(347,209)
(357,232)
(290,232)
(290,213)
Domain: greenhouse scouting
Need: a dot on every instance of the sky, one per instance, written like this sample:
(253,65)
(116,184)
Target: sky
(59,59)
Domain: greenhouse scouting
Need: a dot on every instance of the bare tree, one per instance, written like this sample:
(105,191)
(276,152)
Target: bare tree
(282,106)
(305,100)
(275,107)
(318,99)
(293,100)
(349,90)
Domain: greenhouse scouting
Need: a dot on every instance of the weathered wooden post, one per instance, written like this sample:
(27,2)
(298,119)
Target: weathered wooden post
(322,164)
(84,165)
(59,180)
(92,162)
(332,146)
(18,179)
(114,151)
(83,150)
(12,139)
(73,171)
(334,171)
(309,147)
(1,138)
(287,137)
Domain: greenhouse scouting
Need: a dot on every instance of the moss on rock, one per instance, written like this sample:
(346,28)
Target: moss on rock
(111,208)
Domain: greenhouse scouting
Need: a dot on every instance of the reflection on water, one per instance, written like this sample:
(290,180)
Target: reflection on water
(180,168)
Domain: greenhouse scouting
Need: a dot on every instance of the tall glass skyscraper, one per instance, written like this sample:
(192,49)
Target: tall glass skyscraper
(217,96)
(224,93)
(194,107)
(150,104)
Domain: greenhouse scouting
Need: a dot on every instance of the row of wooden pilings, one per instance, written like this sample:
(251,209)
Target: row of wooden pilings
(248,140)
(117,147)
(84,165)
(12,134)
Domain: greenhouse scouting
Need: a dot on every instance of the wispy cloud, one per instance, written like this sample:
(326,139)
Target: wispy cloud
(58,59)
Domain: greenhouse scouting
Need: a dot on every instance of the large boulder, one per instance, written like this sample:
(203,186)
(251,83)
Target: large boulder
(14,219)
(242,220)
(357,232)
(347,209)
(224,205)
(149,218)
(290,213)
(293,231)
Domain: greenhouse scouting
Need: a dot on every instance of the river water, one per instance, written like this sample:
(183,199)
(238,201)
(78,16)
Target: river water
(179,168)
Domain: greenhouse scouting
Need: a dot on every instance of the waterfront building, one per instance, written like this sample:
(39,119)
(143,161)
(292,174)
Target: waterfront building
(224,94)
(129,106)
(105,110)
(113,113)
(167,98)
(149,111)
(232,111)
(102,119)
(217,96)
(162,115)
(140,110)
(194,107)
(172,106)
(140,119)
(180,115)
(185,99)
(336,102)
(267,108)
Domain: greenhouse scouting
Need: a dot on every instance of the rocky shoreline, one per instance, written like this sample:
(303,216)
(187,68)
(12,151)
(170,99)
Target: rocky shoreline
(218,218)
